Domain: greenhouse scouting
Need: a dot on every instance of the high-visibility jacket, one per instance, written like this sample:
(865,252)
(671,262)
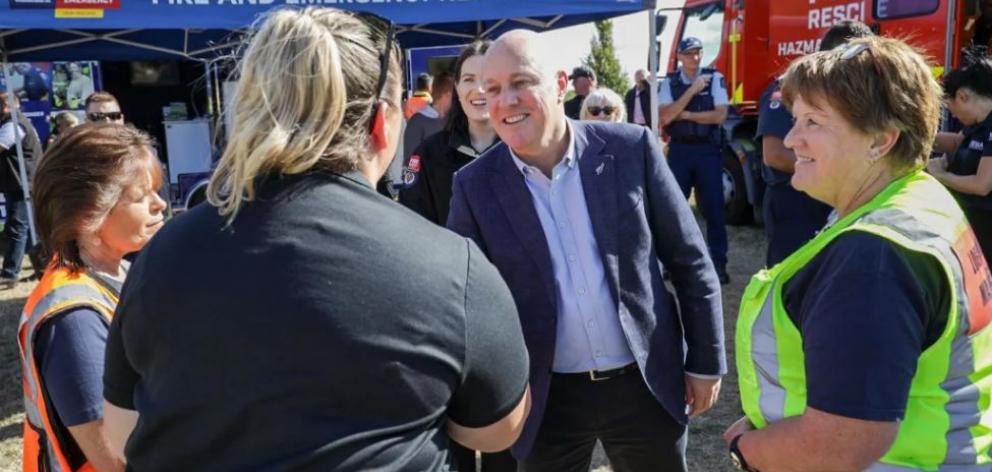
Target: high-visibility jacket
(948,423)
(59,290)
(417,102)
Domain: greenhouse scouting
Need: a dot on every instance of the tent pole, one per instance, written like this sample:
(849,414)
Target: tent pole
(653,54)
(218,88)
(22,169)
(207,70)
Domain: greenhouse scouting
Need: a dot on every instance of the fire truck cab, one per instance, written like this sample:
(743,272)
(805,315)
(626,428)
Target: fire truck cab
(753,41)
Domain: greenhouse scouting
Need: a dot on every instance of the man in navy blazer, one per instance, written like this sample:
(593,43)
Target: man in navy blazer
(580,218)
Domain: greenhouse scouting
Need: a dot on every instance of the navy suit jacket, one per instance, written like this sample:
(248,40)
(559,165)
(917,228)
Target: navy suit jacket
(639,217)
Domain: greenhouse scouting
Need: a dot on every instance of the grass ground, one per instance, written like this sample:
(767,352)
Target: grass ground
(707,452)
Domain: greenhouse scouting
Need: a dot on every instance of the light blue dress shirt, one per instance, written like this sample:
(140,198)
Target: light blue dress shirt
(589,334)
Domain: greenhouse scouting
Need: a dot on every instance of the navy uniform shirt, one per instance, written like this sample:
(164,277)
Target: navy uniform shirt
(775,120)
(866,309)
(976,145)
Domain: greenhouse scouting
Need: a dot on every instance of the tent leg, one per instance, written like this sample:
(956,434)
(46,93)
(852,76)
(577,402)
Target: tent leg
(653,53)
(21,165)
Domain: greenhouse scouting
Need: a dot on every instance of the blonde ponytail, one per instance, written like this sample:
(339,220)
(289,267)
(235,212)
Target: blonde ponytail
(303,101)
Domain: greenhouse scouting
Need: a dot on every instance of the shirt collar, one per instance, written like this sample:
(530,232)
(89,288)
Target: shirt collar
(569,158)
(430,112)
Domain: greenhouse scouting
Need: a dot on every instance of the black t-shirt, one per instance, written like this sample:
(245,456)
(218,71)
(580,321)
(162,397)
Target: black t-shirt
(328,328)
(430,172)
(976,145)
(867,308)
(573,107)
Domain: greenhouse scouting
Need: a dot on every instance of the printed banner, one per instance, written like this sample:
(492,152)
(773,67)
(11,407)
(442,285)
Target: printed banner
(47,89)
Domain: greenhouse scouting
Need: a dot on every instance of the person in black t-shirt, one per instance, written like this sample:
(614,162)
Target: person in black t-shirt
(584,82)
(302,321)
(968,170)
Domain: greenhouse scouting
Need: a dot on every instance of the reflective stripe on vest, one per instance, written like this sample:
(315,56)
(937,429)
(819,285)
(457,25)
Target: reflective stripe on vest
(947,424)
(57,292)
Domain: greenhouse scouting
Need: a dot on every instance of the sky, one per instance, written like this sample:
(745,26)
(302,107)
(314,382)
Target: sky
(630,36)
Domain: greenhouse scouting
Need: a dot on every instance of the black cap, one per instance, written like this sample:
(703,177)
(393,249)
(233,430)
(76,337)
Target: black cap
(689,43)
(582,71)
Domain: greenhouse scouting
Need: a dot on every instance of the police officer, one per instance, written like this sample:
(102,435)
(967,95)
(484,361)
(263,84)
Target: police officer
(693,106)
(791,216)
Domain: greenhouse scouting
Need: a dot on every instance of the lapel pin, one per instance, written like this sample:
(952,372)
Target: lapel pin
(599,170)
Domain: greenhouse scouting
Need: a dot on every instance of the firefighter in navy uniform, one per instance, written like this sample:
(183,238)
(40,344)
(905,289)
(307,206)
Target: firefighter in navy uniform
(791,216)
(693,106)
(430,171)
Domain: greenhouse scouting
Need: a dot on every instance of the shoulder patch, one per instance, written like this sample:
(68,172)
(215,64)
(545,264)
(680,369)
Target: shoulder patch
(414,164)
(775,104)
(409,177)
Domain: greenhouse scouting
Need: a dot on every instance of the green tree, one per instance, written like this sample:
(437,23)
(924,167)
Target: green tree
(603,59)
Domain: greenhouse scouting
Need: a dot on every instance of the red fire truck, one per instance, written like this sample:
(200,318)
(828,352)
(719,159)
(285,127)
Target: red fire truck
(752,41)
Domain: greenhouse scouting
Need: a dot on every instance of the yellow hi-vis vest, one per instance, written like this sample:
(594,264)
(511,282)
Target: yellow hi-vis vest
(59,290)
(948,423)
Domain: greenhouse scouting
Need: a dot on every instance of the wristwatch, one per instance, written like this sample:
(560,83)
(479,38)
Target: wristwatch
(737,458)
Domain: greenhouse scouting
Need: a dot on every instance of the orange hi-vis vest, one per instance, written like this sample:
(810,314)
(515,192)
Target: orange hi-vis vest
(417,102)
(59,290)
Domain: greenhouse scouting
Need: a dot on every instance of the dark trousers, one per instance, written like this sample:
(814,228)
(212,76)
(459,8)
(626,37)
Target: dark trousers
(638,435)
(495,462)
(698,166)
(791,219)
(16,230)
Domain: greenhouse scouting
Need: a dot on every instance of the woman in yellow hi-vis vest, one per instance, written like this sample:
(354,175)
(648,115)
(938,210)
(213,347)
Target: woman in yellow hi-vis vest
(95,201)
(869,347)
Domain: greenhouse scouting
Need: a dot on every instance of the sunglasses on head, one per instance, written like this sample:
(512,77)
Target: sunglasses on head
(387,28)
(108,116)
(855,50)
(595,111)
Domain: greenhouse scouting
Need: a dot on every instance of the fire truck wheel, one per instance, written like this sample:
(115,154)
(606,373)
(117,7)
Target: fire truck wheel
(737,211)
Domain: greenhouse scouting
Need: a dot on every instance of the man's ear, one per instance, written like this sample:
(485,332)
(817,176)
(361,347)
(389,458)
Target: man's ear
(378,138)
(561,84)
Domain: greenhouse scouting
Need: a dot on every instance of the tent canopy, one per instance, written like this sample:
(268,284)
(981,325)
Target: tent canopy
(202,29)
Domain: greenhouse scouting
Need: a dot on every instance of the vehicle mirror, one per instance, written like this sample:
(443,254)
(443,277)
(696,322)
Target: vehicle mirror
(708,11)
(660,21)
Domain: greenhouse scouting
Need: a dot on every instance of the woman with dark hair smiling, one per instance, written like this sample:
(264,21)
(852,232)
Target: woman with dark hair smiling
(467,134)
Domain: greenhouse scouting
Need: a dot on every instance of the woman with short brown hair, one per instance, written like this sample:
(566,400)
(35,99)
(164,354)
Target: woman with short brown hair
(95,200)
(869,347)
